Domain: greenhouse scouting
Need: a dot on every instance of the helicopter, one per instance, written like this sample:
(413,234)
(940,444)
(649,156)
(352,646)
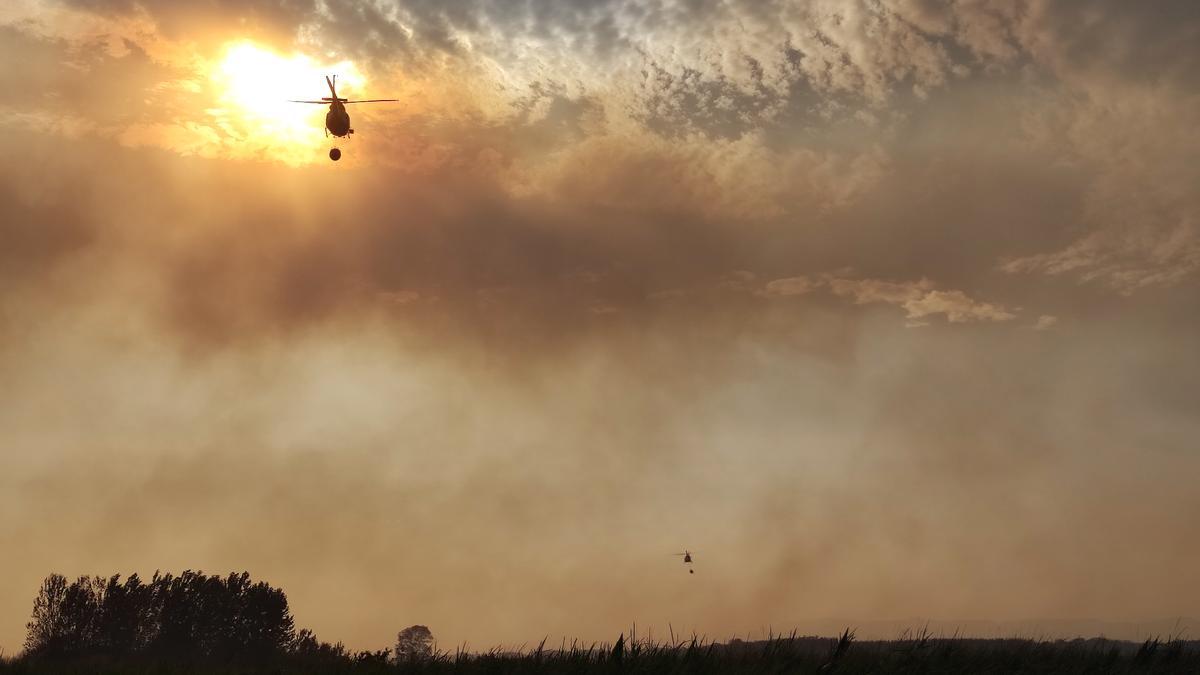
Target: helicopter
(687,560)
(337,120)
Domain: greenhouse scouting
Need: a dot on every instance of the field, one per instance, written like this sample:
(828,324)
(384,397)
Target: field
(786,654)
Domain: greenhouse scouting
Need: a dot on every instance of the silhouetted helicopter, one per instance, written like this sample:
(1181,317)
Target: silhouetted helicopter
(337,120)
(687,560)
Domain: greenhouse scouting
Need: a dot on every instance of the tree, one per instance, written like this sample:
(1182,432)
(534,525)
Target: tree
(414,643)
(264,624)
(185,618)
(224,619)
(125,619)
(46,626)
(65,616)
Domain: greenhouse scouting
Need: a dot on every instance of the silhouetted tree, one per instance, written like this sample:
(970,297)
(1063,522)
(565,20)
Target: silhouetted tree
(414,643)
(264,623)
(190,617)
(210,618)
(47,629)
(66,617)
(126,618)
(318,656)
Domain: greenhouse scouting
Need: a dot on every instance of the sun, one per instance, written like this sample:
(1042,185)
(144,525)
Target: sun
(254,88)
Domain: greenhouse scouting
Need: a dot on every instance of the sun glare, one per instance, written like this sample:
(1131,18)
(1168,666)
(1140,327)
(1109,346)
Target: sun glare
(256,86)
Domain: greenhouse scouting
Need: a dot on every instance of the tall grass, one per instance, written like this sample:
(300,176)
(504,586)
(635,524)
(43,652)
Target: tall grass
(918,652)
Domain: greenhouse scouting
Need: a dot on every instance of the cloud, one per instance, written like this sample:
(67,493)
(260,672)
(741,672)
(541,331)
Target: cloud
(788,286)
(956,306)
(876,290)
(1045,322)
(104,79)
(762,106)
(919,299)
(1140,215)
(268,19)
(1106,42)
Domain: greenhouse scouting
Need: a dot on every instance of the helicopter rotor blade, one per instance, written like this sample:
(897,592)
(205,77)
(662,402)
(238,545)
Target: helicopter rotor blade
(375,100)
(317,102)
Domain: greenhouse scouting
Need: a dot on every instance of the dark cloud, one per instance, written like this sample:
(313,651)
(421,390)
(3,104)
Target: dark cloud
(40,232)
(1108,39)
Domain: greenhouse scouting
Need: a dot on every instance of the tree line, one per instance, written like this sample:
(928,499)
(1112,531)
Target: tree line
(187,618)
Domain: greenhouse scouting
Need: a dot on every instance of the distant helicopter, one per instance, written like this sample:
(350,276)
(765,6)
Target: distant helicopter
(687,560)
(337,120)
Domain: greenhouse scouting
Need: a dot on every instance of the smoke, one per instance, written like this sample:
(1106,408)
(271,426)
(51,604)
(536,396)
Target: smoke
(539,332)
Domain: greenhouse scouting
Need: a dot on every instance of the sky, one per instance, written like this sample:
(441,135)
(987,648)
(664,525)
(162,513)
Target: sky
(885,308)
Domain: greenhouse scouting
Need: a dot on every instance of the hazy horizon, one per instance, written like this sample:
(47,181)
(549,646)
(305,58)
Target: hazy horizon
(885,308)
